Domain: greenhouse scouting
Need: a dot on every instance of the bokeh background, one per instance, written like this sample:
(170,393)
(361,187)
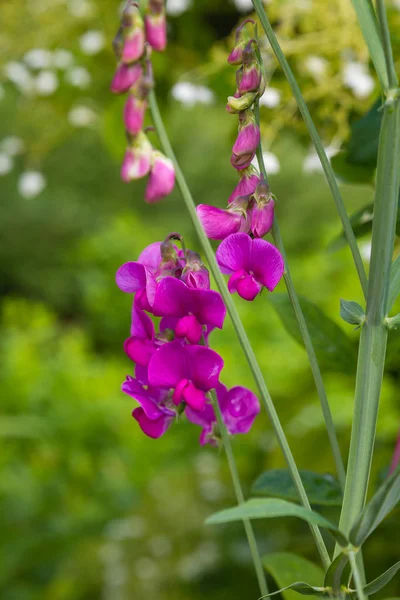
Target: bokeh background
(91,508)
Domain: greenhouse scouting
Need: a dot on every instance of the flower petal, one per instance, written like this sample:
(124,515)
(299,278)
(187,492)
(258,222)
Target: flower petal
(218,223)
(151,257)
(208,307)
(172,298)
(203,366)
(167,366)
(141,325)
(131,277)
(137,391)
(266,263)
(233,253)
(154,429)
(240,408)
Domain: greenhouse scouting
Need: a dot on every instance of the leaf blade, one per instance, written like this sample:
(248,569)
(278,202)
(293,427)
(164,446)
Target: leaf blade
(286,567)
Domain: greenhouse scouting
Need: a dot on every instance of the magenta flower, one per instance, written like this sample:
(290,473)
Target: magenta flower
(125,77)
(193,307)
(137,160)
(218,223)
(141,345)
(134,112)
(236,56)
(252,264)
(133,47)
(245,147)
(135,278)
(195,274)
(262,218)
(161,179)
(239,407)
(191,371)
(153,416)
(156,25)
(249,180)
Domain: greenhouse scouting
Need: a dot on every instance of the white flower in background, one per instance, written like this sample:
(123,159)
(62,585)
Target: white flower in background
(81,116)
(31,183)
(190,94)
(6,163)
(312,164)
(316,66)
(78,77)
(80,8)
(365,250)
(12,145)
(62,59)
(270,98)
(177,7)
(92,42)
(396,4)
(357,78)
(20,76)
(243,5)
(38,58)
(271,161)
(46,83)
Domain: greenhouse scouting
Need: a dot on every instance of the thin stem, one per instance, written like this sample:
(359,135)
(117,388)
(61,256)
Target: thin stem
(387,46)
(396,456)
(329,174)
(239,496)
(266,399)
(357,576)
(316,372)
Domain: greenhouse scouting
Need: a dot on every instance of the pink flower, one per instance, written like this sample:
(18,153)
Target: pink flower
(195,274)
(137,160)
(161,179)
(246,143)
(218,223)
(262,219)
(249,179)
(156,25)
(125,77)
(252,264)
(239,407)
(190,371)
(141,345)
(133,34)
(134,112)
(236,56)
(250,73)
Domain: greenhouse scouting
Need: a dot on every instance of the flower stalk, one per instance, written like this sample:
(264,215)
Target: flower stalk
(239,496)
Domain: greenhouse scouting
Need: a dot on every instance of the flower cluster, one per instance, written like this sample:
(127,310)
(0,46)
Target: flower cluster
(253,263)
(175,366)
(136,38)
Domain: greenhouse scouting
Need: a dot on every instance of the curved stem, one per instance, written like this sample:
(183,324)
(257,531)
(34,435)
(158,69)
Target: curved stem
(239,496)
(329,174)
(294,299)
(266,399)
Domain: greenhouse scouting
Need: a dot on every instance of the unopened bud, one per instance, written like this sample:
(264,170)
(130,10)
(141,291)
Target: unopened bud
(161,179)
(250,76)
(238,104)
(137,160)
(236,56)
(133,32)
(246,143)
(156,25)
(125,77)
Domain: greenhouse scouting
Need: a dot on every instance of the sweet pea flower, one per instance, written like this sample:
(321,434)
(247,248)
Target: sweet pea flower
(137,160)
(194,308)
(134,111)
(195,274)
(252,264)
(244,149)
(156,25)
(190,371)
(140,346)
(219,223)
(135,278)
(153,416)
(262,213)
(236,55)
(125,77)
(161,178)
(239,407)
(249,180)
(250,74)
(133,34)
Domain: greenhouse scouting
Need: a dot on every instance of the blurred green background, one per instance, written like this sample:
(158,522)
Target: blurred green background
(91,508)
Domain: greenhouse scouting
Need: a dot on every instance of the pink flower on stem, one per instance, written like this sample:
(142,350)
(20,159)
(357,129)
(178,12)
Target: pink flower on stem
(236,55)
(133,34)
(219,223)
(252,264)
(194,308)
(195,274)
(262,219)
(137,159)
(239,407)
(249,180)
(125,77)
(153,416)
(135,278)
(190,371)
(246,143)
(156,25)
(134,111)
(250,73)
(141,345)
(161,178)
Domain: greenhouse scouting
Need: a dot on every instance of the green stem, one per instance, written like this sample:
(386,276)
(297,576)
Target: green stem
(316,372)
(329,174)
(387,46)
(357,576)
(266,399)
(371,358)
(239,496)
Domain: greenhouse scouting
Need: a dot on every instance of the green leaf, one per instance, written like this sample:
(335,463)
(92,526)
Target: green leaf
(362,147)
(349,172)
(286,567)
(394,288)
(270,508)
(333,348)
(379,583)
(301,587)
(369,27)
(338,572)
(351,312)
(381,504)
(322,490)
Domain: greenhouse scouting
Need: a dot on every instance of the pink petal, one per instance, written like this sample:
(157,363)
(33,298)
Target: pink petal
(193,397)
(218,223)
(156,31)
(138,393)
(208,307)
(266,263)
(161,178)
(125,76)
(141,325)
(189,328)
(139,351)
(248,288)
(151,257)
(133,46)
(246,186)
(131,277)
(154,429)
(262,219)
(233,253)
(204,366)
(172,298)
(134,111)
(167,367)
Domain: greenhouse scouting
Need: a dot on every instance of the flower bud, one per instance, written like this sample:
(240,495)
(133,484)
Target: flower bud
(249,179)
(247,141)
(195,274)
(125,77)
(133,33)
(250,76)
(134,111)
(161,179)
(137,160)
(236,56)
(262,214)
(156,25)
(238,103)
(218,224)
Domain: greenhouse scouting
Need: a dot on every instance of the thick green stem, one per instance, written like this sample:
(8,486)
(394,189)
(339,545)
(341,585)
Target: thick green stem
(387,46)
(329,174)
(371,358)
(316,372)
(357,576)
(266,399)
(240,498)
